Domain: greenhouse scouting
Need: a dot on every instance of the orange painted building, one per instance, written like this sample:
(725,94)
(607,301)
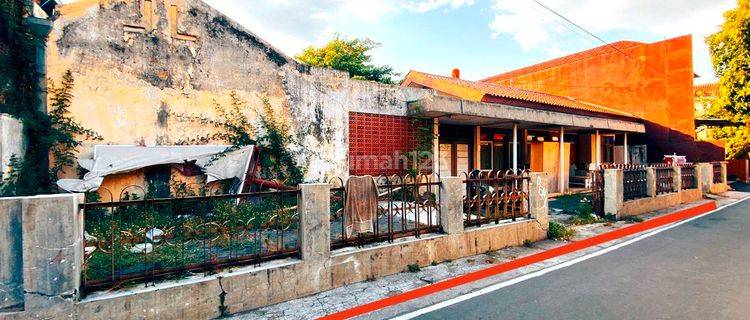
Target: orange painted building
(653,81)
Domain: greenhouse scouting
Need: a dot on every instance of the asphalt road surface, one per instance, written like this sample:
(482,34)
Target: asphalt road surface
(698,270)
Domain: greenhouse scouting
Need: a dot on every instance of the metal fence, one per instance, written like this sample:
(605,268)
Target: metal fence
(687,176)
(718,177)
(664,178)
(140,239)
(492,196)
(406,206)
(635,183)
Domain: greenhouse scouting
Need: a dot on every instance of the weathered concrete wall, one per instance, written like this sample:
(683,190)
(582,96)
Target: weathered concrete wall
(12,142)
(136,63)
(11,259)
(44,241)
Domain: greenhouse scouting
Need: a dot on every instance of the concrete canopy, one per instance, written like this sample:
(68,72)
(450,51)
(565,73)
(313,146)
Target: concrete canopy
(458,111)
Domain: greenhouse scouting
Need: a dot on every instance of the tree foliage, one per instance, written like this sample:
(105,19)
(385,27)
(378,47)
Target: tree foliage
(272,136)
(730,54)
(65,132)
(351,55)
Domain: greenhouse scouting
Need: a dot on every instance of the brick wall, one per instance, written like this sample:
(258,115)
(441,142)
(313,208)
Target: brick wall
(377,143)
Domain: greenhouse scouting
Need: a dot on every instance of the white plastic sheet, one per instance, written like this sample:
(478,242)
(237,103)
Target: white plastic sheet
(107,160)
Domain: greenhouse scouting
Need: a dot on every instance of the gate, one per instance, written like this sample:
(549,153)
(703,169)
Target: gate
(597,191)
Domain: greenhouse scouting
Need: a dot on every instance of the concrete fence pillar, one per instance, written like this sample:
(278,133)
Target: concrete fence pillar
(314,205)
(538,201)
(52,232)
(613,191)
(706,176)
(651,182)
(11,254)
(451,204)
(724,172)
(676,178)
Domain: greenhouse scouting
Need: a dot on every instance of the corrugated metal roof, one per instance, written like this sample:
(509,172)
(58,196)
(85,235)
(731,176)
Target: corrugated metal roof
(476,91)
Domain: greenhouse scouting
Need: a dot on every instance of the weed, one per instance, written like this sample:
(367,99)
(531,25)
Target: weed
(559,231)
(584,215)
(633,219)
(434,263)
(413,267)
(528,243)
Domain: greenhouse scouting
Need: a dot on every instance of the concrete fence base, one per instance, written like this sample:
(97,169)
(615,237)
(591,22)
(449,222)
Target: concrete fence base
(48,255)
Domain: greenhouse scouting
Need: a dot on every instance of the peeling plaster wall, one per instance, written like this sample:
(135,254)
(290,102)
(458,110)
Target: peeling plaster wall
(132,69)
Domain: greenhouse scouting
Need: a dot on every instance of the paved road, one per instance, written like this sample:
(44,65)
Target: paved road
(698,270)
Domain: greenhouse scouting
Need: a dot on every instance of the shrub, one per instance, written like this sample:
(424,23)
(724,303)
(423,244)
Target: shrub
(413,267)
(528,243)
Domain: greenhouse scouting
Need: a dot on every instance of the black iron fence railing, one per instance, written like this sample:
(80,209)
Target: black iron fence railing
(718,177)
(406,206)
(664,178)
(687,176)
(493,196)
(635,183)
(139,240)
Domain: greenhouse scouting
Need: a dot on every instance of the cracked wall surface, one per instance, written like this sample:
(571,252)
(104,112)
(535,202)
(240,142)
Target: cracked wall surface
(135,62)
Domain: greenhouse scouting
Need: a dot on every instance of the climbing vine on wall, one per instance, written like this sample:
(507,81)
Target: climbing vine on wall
(271,135)
(424,136)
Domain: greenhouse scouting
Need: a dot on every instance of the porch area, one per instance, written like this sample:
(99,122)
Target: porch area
(493,137)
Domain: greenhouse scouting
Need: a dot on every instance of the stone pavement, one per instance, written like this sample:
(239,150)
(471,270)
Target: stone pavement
(359,293)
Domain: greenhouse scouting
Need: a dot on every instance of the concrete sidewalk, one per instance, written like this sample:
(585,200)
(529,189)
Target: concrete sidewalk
(356,294)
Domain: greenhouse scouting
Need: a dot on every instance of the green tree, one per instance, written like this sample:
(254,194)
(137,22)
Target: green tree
(730,54)
(349,55)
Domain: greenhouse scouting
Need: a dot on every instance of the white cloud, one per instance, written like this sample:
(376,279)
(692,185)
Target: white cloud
(533,27)
(293,25)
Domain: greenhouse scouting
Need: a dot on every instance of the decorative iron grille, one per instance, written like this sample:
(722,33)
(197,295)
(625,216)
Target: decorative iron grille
(140,239)
(664,178)
(495,196)
(718,177)
(687,176)
(407,206)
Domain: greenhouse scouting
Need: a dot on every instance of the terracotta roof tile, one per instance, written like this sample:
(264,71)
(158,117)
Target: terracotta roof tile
(476,91)
(605,49)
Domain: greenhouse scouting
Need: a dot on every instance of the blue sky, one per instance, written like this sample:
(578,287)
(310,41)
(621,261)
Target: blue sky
(481,37)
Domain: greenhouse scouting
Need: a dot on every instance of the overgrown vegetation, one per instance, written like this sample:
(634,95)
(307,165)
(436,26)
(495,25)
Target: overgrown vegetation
(730,54)
(559,231)
(528,243)
(62,140)
(233,126)
(633,219)
(423,137)
(413,267)
(350,55)
(584,215)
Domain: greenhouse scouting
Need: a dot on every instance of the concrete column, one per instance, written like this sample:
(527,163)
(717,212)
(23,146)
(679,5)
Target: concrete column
(677,178)
(561,173)
(12,142)
(706,176)
(11,254)
(52,249)
(314,205)
(613,192)
(451,204)
(724,172)
(538,201)
(625,153)
(598,145)
(515,146)
(651,182)
(698,177)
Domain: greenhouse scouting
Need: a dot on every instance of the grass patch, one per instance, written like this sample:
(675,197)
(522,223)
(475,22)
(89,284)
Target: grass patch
(559,231)
(584,215)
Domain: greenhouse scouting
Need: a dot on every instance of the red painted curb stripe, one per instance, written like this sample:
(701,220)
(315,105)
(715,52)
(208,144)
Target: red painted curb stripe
(521,262)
